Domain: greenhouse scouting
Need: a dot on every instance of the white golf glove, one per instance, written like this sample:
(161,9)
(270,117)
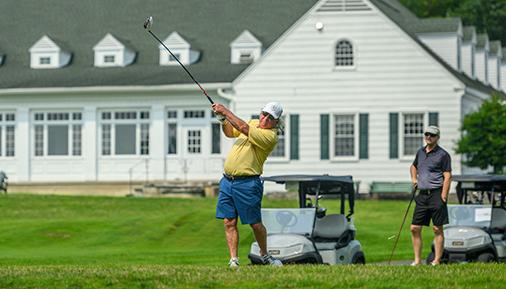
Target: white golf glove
(221,118)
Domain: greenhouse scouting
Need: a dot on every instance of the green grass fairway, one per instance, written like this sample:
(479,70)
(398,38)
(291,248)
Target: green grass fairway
(192,276)
(54,230)
(101,242)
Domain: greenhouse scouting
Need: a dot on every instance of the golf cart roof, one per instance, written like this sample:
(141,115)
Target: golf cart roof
(281,179)
(479,178)
(317,184)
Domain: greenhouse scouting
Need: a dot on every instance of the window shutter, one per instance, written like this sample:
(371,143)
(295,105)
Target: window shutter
(434,118)
(394,135)
(364,136)
(324,136)
(294,136)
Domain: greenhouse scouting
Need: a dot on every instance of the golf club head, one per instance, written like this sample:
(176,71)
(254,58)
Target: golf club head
(148,23)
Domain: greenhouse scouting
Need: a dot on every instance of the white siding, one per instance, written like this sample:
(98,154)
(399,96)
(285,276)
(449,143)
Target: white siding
(468,58)
(481,60)
(494,71)
(443,44)
(392,74)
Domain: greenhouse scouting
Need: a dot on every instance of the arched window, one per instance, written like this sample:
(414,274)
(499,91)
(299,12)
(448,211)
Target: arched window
(344,53)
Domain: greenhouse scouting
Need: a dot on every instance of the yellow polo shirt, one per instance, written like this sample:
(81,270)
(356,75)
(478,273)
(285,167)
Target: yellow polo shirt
(247,156)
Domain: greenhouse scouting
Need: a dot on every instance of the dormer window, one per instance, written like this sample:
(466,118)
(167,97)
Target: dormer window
(45,60)
(180,48)
(111,52)
(2,57)
(173,58)
(48,53)
(109,58)
(344,54)
(246,48)
(245,57)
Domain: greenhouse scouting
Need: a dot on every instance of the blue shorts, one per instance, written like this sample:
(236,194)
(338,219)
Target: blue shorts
(240,197)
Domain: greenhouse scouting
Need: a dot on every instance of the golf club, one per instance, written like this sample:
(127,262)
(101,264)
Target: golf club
(147,25)
(413,191)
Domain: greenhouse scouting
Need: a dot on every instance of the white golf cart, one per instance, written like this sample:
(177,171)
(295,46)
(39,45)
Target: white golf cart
(308,234)
(477,228)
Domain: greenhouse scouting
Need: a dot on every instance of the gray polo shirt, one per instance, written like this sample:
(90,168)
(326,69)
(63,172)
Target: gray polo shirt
(431,166)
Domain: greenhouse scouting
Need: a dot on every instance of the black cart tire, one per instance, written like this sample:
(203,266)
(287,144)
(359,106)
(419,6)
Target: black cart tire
(486,257)
(358,258)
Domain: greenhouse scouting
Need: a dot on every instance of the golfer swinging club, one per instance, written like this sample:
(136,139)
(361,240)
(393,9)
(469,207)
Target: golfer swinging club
(431,173)
(241,189)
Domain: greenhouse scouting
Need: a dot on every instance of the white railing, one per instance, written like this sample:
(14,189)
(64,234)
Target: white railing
(131,171)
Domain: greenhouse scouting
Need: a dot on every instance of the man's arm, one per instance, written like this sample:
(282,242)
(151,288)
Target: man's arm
(447,179)
(414,175)
(231,120)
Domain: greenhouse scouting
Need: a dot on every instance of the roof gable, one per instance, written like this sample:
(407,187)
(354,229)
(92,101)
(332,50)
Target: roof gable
(108,42)
(246,39)
(45,44)
(174,40)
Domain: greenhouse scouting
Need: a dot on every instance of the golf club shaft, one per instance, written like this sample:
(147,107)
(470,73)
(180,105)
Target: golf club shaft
(413,191)
(191,76)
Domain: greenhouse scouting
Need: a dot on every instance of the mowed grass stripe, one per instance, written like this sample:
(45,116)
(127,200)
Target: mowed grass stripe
(303,276)
(49,230)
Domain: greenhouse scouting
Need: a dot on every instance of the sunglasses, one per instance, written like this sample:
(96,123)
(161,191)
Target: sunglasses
(267,115)
(430,134)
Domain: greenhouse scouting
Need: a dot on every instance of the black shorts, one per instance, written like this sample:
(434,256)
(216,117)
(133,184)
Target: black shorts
(430,206)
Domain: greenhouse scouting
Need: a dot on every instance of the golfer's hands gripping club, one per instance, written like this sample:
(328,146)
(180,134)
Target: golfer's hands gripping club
(220,111)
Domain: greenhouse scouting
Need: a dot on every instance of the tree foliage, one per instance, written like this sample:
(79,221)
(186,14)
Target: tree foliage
(483,138)
(486,15)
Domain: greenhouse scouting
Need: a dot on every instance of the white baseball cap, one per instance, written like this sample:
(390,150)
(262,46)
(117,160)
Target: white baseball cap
(432,129)
(274,109)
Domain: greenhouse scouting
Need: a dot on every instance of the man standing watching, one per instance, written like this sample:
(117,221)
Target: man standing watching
(431,173)
(241,189)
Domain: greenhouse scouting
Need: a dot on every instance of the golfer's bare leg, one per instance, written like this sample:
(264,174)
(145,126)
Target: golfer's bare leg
(232,235)
(439,240)
(416,238)
(261,237)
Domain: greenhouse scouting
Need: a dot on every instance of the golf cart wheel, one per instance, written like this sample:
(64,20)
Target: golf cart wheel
(358,258)
(430,258)
(486,257)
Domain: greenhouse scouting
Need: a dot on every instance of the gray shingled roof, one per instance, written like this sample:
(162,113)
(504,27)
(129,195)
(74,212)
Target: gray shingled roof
(468,32)
(495,46)
(209,26)
(481,40)
(436,25)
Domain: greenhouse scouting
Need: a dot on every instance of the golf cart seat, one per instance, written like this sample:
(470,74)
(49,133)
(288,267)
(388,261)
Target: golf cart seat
(498,224)
(329,230)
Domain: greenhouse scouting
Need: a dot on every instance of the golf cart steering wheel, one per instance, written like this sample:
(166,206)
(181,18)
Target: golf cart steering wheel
(286,219)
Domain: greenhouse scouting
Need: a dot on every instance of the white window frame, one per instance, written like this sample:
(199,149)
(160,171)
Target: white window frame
(286,132)
(48,58)
(402,113)
(356,131)
(205,124)
(138,122)
(107,57)
(45,123)
(4,123)
(334,56)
